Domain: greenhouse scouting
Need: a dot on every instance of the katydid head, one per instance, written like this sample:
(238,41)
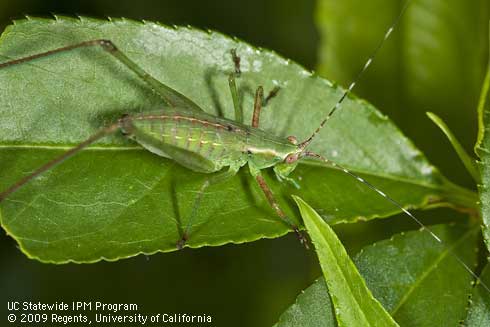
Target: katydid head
(289,162)
(283,169)
(279,153)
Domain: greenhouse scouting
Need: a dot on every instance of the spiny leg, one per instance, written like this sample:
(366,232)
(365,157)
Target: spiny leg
(170,96)
(275,205)
(184,232)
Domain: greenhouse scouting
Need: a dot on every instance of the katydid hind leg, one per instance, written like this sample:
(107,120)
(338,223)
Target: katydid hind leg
(275,205)
(61,158)
(215,179)
(169,95)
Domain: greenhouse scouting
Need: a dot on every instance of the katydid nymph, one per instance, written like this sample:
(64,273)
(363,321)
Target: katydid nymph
(193,138)
(182,132)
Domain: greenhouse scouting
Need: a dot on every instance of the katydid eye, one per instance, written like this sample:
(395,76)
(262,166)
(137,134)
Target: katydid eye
(291,158)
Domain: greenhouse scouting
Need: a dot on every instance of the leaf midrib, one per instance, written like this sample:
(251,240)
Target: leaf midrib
(436,187)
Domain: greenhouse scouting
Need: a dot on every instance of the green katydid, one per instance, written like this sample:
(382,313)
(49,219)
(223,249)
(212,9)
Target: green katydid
(176,133)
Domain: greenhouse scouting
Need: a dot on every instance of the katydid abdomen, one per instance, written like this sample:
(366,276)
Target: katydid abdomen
(203,142)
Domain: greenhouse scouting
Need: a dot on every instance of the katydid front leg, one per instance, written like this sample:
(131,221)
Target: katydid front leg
(259,101)
(275,205)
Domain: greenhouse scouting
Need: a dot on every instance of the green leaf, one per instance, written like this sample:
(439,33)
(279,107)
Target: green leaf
(479,311)
(115,200)
(313,308)
(353,302)
(410,273)
(468,161)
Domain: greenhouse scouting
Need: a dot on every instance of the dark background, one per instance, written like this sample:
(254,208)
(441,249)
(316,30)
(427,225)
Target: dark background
(239,285)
